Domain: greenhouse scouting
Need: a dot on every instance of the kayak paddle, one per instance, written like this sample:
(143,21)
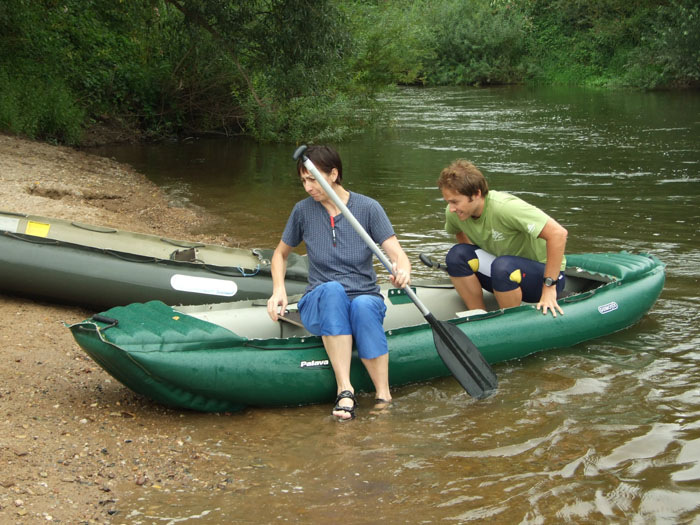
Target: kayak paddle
(428,261)
(457,351)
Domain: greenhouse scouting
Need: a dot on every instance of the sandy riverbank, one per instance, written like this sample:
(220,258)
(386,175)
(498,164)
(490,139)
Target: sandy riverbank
(71,439)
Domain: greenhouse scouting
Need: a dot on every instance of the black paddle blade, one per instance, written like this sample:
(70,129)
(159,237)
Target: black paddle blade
(463,359)
(430,263)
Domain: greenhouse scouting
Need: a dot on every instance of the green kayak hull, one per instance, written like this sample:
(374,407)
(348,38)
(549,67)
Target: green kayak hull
(182,360)
(101,267)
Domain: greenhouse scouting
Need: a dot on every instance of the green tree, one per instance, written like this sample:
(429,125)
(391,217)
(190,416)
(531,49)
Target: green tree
(391,41)
(311,69)
(275,69)
(476,42)
(669,52)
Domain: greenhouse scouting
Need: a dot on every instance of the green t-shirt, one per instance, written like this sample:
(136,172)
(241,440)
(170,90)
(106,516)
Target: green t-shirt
(508,226)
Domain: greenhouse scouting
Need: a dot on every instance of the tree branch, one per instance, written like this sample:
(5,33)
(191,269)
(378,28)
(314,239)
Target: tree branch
(194,17)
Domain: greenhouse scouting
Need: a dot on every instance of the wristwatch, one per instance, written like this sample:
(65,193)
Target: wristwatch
(548,281)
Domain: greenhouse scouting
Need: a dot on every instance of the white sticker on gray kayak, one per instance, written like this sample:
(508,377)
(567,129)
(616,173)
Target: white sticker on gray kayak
(9,225)
(205,285)
(607,308)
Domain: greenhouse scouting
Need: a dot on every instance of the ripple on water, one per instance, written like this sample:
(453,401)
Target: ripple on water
(603,432)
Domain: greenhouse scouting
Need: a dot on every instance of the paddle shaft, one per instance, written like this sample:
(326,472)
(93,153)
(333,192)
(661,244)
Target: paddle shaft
(309,165)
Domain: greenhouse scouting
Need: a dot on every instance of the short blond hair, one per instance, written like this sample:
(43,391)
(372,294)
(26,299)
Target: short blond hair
(461,176)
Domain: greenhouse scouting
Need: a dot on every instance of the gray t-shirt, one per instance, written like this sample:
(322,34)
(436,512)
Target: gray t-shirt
(347,259)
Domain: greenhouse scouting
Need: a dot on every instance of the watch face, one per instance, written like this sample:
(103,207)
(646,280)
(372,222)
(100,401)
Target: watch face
(548,281)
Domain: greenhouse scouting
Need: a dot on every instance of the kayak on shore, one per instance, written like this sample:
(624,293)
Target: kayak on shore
(228,356)
(94,266)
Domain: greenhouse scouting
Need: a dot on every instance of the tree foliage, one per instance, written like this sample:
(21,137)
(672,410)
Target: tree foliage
(476,43)
(669,51)
(311,69)
(271,68)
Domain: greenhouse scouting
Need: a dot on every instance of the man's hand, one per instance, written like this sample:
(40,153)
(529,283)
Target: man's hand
(548,301)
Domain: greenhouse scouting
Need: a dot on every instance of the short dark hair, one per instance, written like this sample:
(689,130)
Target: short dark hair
(324,158)
(463,177)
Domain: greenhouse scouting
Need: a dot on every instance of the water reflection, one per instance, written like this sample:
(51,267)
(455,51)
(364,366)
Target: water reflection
(607,431)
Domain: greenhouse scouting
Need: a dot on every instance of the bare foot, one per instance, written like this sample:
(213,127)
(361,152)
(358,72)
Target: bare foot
(381,406)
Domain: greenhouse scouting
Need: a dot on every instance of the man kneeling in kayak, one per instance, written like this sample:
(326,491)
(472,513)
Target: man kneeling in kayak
(505,245)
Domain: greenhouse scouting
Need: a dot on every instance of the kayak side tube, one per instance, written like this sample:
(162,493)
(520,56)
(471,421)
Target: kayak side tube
(182,361)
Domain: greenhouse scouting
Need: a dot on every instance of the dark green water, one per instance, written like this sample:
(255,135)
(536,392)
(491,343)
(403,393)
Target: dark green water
(607,431)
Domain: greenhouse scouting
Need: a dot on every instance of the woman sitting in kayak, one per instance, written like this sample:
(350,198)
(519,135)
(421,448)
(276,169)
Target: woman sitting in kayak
(342,302)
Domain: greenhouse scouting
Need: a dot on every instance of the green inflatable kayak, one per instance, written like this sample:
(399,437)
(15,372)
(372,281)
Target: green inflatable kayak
(76,263)
(227,356)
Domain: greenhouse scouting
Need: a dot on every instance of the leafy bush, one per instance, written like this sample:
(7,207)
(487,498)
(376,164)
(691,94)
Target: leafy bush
(39,109)
(669,54)
(300,69)
(649,43)
(391,41)
(475,43)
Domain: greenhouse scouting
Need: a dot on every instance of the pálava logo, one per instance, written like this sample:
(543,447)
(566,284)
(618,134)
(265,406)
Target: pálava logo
(323,363)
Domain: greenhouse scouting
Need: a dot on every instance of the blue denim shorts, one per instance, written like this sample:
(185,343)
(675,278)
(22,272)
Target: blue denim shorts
(327,310)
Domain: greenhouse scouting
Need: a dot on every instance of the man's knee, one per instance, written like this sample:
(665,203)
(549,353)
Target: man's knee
(462,260)
(506,274)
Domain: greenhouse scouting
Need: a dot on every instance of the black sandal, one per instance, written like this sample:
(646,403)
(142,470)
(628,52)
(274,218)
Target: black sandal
(345,394)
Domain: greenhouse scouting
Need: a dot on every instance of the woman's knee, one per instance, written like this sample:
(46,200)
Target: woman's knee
(332,288)
(366,317)
(367,309)
(331,295)
(326,310)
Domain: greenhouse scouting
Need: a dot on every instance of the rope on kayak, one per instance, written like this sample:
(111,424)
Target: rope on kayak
(182,244)
(249,344)
(242,270)
(109,321)
(30,238)
(229,273)
(130,257)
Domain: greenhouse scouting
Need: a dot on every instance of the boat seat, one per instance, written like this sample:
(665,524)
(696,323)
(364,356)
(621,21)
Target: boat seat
(291,317)
(291,325)
(469,313)
(187,255)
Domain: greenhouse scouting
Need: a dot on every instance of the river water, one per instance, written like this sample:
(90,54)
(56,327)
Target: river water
(606,431)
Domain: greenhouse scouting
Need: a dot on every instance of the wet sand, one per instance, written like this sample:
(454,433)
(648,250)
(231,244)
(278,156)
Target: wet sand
(72,439)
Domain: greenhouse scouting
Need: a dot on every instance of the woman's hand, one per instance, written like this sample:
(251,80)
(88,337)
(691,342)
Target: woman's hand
(400,277)
(277,305)
(400,265)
